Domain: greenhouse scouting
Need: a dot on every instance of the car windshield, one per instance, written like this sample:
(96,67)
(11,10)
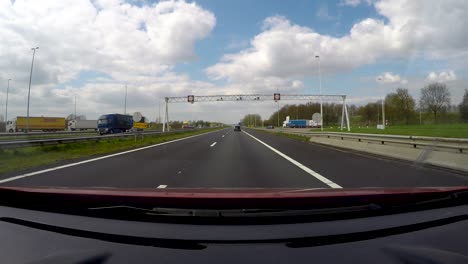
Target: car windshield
(234,96)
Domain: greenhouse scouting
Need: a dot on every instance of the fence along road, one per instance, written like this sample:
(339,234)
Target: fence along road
(65,140)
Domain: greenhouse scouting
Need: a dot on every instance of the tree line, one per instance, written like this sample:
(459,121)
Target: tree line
(434,106)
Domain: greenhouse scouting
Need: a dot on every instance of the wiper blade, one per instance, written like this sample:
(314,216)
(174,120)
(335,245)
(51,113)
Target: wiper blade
(460,197)
(237,212)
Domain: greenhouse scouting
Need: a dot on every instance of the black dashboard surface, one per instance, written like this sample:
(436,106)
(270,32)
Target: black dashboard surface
(430,236)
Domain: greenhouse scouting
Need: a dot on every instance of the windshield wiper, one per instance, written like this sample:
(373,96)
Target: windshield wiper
(235,212)
(268,215)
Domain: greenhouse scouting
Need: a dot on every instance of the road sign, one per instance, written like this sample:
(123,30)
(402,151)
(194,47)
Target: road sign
(276,97)
(140,125)
(317,118)
(191,99)
(137,116)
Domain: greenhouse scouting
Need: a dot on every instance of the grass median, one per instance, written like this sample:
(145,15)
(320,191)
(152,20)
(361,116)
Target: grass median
(435,130)
(30,157)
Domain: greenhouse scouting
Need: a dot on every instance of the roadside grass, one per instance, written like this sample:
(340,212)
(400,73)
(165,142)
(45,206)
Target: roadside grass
(434,130)
(30,157)
(49,135)
(287,135)
(293,136)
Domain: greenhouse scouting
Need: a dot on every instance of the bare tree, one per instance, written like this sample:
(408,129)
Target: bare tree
(435,98)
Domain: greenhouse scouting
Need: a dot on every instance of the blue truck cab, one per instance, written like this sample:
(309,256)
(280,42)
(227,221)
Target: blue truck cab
(114,123)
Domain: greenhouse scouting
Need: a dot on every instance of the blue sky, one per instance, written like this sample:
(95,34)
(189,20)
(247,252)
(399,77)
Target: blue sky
(237,22)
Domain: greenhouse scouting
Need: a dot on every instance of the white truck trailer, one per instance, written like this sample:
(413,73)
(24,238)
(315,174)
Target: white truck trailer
(74,125)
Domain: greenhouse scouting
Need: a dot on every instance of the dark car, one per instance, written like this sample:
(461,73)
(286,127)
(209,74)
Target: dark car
(237,128)
(270,127)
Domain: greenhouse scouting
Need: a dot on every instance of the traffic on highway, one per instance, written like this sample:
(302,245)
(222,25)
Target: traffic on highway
(233,131)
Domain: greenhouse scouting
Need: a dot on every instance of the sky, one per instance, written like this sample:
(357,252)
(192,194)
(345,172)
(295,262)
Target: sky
(92,49)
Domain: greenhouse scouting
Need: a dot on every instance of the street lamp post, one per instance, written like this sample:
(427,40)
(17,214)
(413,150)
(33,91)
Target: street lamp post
(383,113)
(29,89)
(159,106)
(278,114)
(75,107)
(383,109)
(6,103)
(125,102)
(320,83)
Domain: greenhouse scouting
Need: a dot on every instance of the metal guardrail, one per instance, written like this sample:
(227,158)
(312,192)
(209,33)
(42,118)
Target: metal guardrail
(55,141)
(459,144)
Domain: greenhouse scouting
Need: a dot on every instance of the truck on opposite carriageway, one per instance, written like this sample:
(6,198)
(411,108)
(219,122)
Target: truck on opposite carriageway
(114,123)
(42,123)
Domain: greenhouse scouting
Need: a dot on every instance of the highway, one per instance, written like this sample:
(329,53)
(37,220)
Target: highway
(246,159)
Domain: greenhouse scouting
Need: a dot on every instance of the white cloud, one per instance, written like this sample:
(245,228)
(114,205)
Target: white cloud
(352,3)
(389,77)
(411,29)
(355,3)
(113,37)
(137,44)
(443,76)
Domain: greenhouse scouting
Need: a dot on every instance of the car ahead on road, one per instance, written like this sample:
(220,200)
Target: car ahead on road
(416,225)
(237,128)
(270,127)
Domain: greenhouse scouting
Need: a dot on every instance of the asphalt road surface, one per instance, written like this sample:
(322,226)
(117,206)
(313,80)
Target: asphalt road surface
(246,159)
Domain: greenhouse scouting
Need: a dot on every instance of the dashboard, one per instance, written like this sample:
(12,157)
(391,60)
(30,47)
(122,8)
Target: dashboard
(429,236)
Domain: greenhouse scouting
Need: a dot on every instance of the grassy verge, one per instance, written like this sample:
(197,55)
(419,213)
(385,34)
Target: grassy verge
(287,135)
(51,135)
(30,157)
(441,130)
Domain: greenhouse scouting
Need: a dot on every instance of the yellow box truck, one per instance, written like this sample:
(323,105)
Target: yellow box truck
(42,123)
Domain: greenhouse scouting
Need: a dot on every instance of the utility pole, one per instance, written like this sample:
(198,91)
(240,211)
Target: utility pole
(320,82)
(278,113)
(6,107)
(125,102)
(75,106)
(29,89)
(378,113)
(383,113)
(159,106)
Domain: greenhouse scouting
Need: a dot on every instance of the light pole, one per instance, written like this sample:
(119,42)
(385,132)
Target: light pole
(159,106)
(75,107)
(125,102)
(6,103)
(277,91)
(278,113)
(320,83)
(29,90)
(383,114)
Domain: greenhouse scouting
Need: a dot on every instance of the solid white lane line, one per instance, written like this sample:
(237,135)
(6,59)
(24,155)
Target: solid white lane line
(162,186)
(95,159)
(212,145)
(298,164)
